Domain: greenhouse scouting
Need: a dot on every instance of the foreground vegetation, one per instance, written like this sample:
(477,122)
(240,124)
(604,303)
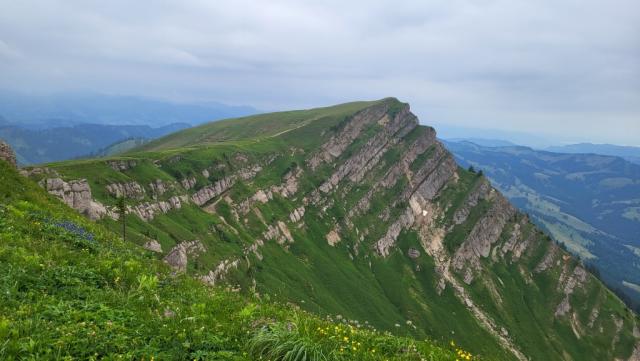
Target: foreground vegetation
(70,289)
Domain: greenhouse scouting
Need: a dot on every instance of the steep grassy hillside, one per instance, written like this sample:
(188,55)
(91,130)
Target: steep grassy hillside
(589,202)
(354,211)
(70,289)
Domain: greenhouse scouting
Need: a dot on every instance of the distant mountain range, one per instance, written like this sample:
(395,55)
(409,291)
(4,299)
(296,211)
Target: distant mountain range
(33,146)
(60,110)
(485,142)
(631,154)
(589,202)
(49,128)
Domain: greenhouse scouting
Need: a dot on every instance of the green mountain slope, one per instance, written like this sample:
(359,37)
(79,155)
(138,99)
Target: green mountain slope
(355,211)
(70,289)
(588,202)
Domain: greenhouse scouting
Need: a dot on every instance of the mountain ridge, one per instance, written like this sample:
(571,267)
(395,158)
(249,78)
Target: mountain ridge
(328,207)
(629,153)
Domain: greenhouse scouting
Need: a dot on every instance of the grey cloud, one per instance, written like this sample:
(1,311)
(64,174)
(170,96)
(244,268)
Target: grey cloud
(547,66)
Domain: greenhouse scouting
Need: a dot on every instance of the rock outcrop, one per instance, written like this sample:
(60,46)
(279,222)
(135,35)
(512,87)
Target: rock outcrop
(222,269)
(158,188)
(153,246)
(577,278)
(209,192)
(297,214)
(278,232)
(480,191)
(188,183)
(333,237)
(131,190)
(369,155)
(77,195)
(483,235)
(338,143)
(147,211)
(7,154)
(179,255)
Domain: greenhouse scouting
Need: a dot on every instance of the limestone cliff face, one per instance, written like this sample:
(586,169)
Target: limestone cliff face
(378,192)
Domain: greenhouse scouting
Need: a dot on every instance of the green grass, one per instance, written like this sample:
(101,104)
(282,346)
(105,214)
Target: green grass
(257,127)
(70,289)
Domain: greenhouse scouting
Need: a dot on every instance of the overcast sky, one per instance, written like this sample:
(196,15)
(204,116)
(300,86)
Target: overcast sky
(569,69)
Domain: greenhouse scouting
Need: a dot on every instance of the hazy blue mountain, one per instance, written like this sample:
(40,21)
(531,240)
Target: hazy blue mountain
(485,142)
(449,131)
(631,154)
(589,202)
(49,111)
(34,146)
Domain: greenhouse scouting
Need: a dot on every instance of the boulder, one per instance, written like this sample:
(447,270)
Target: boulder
(153,246)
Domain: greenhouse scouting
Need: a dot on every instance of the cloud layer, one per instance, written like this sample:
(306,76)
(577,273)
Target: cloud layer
(566,68)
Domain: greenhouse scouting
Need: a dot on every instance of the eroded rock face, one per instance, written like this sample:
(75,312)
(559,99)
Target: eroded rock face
(481,191)
(289,186)
(333,237)
(147,211)
(221,270)
(131,190)
(358,165)
(209,192)
(262,196)
(384,244)
(548,260)
(424,192)
(249,172)
(421,145)
(339,142)
(286,189)
(188,183)
(77,195)
(7,154)
(635,356)
(179,255)
(297,214)
(158,188)
(434,182)
(278,232)
(577,278)
(483,235)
